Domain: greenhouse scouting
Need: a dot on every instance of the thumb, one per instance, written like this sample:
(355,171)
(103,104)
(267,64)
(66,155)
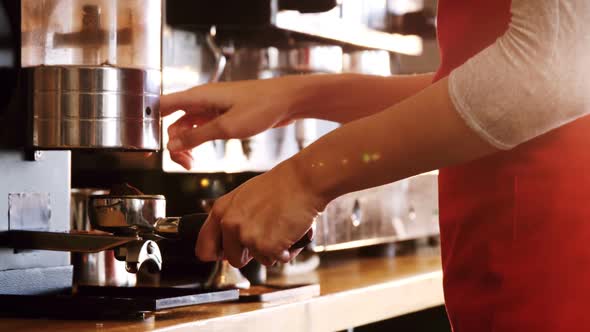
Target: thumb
(208,246)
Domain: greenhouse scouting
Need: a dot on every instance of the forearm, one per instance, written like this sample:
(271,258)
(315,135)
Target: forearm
(419,134)
(347,97)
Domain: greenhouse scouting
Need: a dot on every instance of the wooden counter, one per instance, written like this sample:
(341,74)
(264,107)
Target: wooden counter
(353,292)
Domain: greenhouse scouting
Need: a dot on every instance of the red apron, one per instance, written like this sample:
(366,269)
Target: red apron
(515,226)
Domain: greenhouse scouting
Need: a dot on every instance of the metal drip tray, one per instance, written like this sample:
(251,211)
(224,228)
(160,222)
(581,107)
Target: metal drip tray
(91,302)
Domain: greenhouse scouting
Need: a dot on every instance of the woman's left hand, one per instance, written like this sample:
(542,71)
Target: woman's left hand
(261,219)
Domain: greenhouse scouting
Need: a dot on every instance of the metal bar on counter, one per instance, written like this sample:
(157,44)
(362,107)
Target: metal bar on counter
(73,242)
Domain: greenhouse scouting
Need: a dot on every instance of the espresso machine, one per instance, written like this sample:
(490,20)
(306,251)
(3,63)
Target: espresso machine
(81,81)
(87,75)
(82,75)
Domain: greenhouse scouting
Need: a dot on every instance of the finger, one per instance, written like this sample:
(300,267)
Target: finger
(188,122)
(266,261)
(248,255)
(184,159)
(193,100)
(208,247)
(267,248)
(212,130)
(294,253)
(284,123)
(209,244)
(178,127)
(210,236)
(284,256)
(182,100)
(235,253)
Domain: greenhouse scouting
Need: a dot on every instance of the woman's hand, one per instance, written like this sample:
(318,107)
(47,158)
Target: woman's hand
(245,108)
(225,110)
(261,219)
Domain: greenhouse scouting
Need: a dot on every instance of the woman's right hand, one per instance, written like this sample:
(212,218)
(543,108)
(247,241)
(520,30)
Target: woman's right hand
(225,110)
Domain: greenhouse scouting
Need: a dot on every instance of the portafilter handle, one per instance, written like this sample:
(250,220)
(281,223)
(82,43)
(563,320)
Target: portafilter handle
(187,229)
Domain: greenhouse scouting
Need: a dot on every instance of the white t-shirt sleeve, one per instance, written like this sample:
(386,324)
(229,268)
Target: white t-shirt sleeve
(534,78)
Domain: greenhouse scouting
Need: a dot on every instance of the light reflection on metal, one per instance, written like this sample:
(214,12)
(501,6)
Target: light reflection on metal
(205,183)
(341,30)
(403,210)
(354,244)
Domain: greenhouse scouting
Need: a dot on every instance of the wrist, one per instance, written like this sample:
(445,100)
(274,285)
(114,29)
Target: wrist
(316,189)
(296,93)
(309,94)
(296,171)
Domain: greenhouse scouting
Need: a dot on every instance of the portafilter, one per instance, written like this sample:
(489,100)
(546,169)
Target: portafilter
(144,215)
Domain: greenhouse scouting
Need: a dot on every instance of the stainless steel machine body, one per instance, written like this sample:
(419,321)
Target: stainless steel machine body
(114,213)
(34,195)
(100,268)
(89,74)
(95,107)
(91,70)
(400,211)
(94,73)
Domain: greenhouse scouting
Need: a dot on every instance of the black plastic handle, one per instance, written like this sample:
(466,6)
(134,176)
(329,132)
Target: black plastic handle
(190,226)
(303,242)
